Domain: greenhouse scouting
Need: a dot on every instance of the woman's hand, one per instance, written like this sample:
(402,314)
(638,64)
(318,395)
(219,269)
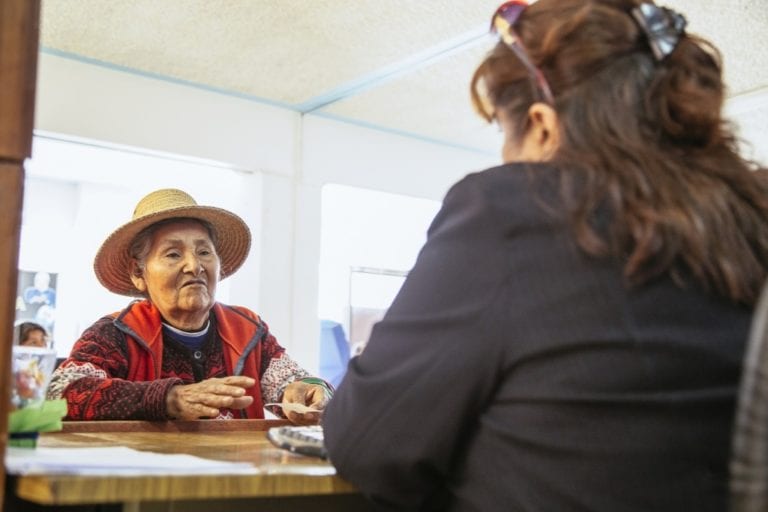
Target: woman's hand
(204,399)
(311,395)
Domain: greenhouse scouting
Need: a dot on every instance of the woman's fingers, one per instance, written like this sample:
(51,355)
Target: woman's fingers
(308,418)
(311,395)
(238,380)
(317,398)
(241,402)
(204,399)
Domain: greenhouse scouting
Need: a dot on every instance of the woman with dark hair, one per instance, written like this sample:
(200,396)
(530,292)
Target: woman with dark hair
(571,335)
(31,334)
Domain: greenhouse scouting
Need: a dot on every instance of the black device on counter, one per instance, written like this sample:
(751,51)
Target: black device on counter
(305,440)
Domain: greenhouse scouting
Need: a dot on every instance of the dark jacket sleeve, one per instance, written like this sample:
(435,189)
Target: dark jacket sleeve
(93,380)
(407,403)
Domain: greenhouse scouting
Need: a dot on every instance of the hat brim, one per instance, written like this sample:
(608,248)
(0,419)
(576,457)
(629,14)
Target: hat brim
(112,263)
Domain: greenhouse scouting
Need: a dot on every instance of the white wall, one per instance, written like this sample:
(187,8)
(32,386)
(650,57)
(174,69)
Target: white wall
(265,163)
(367,228)
(750,112)
(337,152)
(93,102)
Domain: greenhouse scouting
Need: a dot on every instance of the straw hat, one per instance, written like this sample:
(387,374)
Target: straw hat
(113,262)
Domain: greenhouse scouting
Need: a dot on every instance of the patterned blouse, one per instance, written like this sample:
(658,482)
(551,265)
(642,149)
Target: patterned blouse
(94,379)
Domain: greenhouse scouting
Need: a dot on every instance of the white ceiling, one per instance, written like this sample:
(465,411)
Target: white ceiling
(396,65)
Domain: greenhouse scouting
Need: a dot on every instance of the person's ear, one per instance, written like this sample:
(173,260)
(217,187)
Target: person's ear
(137,277)
(543,134)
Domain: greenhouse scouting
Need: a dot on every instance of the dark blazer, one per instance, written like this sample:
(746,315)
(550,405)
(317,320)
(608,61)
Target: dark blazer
(515,373)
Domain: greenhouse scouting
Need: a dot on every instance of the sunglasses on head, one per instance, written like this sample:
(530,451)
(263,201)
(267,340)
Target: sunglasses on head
(502,24)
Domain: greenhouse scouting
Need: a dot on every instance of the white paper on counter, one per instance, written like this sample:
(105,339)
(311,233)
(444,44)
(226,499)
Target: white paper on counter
(114,460)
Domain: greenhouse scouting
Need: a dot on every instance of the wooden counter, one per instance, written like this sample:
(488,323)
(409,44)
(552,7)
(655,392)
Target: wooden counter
(280,473)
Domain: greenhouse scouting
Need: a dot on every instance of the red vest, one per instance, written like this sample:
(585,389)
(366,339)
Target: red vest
(239,331)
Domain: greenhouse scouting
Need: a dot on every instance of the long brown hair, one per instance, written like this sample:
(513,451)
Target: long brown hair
(643,138)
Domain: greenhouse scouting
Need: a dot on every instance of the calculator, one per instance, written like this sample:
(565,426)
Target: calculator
(304,440)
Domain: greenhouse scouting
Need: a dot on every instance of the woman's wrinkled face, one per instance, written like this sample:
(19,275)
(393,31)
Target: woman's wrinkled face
(180,273)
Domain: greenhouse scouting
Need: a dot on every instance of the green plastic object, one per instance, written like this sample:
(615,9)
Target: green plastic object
(24,425)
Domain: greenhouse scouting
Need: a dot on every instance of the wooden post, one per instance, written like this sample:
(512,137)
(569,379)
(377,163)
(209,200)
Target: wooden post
(19,34)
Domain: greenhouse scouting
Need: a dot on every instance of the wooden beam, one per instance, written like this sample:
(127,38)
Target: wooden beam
(19,33)
(175,426)
(11,192)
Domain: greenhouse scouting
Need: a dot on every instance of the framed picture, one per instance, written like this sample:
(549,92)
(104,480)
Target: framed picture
(36,298)
(371,292)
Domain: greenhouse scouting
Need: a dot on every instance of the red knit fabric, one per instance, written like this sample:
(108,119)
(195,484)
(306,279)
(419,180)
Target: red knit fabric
(125,382)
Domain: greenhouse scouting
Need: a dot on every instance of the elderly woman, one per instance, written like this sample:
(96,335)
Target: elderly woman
(177,353)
